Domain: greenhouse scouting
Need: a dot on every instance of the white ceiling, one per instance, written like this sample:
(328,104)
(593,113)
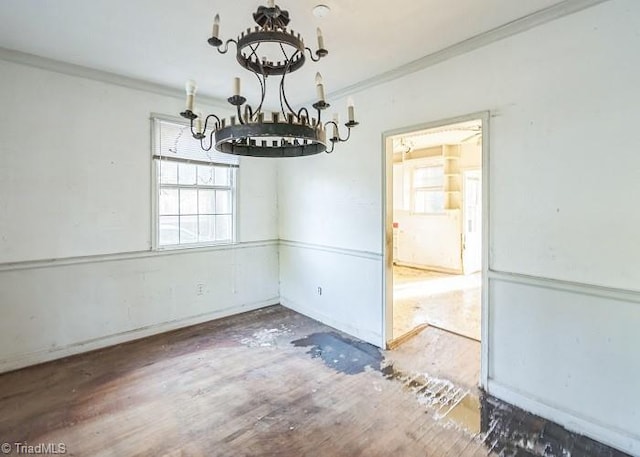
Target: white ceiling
(164,41)
(462,132)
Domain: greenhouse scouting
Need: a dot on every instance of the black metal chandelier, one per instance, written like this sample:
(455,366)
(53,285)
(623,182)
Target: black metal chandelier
(288,133)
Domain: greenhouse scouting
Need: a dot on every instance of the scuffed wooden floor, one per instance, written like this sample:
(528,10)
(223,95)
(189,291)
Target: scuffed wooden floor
(450,302)
(233,387)
(441,354)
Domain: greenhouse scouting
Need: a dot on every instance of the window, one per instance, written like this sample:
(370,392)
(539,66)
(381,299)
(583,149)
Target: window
(195,190)
(428,189)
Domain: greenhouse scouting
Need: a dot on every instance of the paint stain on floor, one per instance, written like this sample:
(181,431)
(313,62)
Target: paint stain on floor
(452,404)
(267,337)
(340,353)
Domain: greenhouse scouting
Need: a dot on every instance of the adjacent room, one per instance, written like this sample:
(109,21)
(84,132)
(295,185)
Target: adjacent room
(437,247)
(437,229)
(292,228)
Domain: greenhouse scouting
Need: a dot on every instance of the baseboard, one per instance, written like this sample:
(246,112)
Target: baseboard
(451,271)
(571,423)
(394,343)
(24,360)
(368,336)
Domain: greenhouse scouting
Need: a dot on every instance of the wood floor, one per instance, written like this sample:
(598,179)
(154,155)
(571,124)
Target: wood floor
(450,302)
(441,354)
(233,387)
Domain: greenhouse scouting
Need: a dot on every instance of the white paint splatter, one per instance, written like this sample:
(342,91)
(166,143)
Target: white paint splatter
(266,337)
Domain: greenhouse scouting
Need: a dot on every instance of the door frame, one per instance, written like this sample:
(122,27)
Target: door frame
(465,173)
(387,230)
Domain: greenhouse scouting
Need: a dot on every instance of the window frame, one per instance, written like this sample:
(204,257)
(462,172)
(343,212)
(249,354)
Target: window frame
(234,171)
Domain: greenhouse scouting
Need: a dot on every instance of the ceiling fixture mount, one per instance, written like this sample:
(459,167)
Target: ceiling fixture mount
(269,49)
(321,11)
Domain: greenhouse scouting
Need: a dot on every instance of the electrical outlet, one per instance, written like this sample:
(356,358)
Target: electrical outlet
(319,290)
(200,289)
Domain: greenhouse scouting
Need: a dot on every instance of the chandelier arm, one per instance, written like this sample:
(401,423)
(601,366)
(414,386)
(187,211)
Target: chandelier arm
(338,139)
(281,85)
(206,121)
(286,58)
(248,112)
(263,88)
(306,113)
(333,145)
(254,53)
(226,46)
(193,132)
(326,124)
(315,59)
(239,114)
(281,101)
(348,135)
(284,95)
(202,146)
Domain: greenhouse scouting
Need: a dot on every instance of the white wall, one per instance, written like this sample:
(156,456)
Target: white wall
(75,177)
(561,96)
(313,280)
(431,241)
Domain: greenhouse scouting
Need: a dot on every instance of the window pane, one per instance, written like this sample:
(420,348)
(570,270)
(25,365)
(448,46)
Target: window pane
(186,174)
(419,205)
(429,201)
(222,176)
(188,229)
(206,201)
(188,201)
(168,230)
(223,202)
(168,201)
(206,226)
(428,177)
(168,172)
(223,228)
(205,175)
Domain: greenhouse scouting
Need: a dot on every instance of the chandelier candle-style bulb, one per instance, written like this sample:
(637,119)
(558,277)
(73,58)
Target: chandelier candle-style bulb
(216,26)
(351,109)
(199,123)
(336,122)
(190,88)
(271,3)
(319,87)
(236,87)
(320,38)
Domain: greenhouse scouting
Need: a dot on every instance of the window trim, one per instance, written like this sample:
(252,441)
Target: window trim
(155,193)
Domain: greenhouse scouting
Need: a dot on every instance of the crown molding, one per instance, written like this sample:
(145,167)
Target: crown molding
(80,71)
(515,27)
(523,24)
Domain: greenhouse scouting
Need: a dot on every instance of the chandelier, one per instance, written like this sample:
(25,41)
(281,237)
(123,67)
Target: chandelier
(287,132)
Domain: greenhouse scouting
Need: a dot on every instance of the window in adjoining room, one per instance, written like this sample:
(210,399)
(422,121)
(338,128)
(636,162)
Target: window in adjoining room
(428,189)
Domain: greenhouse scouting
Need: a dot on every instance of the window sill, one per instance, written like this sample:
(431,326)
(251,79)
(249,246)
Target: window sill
(194,246)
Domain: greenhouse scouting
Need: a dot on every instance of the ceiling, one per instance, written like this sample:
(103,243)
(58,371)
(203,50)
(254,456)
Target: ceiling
(459,133)
(164,41)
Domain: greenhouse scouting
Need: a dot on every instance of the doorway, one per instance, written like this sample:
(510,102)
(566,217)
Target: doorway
(435,238)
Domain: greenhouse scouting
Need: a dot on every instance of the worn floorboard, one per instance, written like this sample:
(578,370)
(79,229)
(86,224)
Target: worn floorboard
(441,354)
(450,302)
(232,387)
